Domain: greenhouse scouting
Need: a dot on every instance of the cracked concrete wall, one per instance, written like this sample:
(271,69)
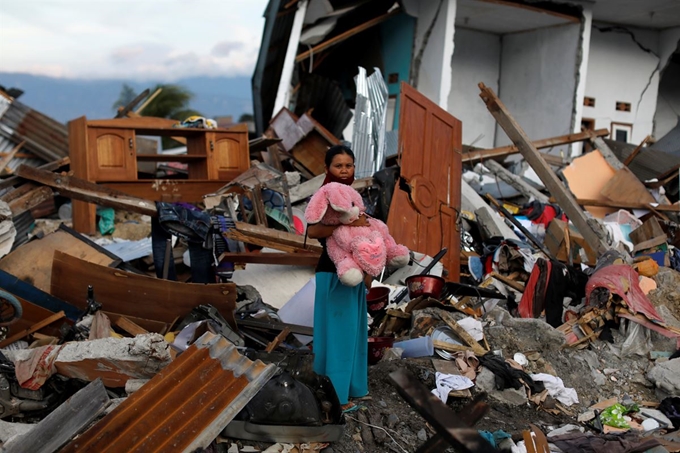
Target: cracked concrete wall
(539,80)
(433,47)
(476,58)
(623,67)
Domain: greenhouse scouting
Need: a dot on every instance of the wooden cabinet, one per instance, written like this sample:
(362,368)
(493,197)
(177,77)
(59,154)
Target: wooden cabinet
(104,151)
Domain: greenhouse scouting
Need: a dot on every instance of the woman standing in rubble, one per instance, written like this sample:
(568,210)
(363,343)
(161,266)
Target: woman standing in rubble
(340,312)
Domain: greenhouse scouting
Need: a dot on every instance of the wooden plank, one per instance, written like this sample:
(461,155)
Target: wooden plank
(451,347)
(136,295)
(64,423)
(281,237)
(130,327)
(86,191)
(508,281)
(34,328)
(278,340)
(288,259)
(484,154)
(346,35)
(28,292)
(50,166)
(625,186)
(625,205)
(172,190)
(32,262)
(30,200)
(592,234)
(636,151)
(8,158)
(146,324)
(462,333)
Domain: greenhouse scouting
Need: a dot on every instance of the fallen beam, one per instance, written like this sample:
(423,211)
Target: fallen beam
(290,259)
(8,158)
(538,144)
(50,166)
(593,234)
(30,200)
(515,181)
(627,205)
(82,190)
(65,422)
(273,237)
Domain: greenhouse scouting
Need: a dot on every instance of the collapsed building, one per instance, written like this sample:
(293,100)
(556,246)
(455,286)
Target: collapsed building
(540,308)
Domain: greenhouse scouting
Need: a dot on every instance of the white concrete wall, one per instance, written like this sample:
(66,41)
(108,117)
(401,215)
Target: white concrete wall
(619,70)
(476,58)
(538,80)
(433,77)
(576,149)
(668,101)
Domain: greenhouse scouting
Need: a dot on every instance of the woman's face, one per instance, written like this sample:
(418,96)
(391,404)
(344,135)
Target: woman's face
(342,166)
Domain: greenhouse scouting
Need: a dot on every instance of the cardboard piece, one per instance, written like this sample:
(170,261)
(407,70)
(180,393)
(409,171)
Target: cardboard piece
(554,241)
(587,175)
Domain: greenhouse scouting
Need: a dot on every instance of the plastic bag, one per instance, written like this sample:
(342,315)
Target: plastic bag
(613,416)
(106,220)
(638,341)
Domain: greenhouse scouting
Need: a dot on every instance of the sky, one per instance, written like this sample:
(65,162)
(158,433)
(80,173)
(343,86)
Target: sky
(133,39)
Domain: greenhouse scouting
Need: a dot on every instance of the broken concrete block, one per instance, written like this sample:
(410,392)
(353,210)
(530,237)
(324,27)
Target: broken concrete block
(486,382)
(132,385)
(114,360)
(666,377)
(536,334)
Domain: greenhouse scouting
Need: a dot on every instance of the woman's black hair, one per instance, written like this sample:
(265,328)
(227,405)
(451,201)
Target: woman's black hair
(334,151)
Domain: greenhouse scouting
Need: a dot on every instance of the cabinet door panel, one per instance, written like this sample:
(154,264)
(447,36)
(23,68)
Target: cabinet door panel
(112,154)
(230,155)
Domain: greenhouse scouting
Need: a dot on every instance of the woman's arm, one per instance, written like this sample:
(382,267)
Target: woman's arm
(320,231)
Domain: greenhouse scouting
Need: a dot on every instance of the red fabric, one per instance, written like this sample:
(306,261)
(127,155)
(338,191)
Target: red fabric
(38,367)
(549,213)
(622,280)
(533,289)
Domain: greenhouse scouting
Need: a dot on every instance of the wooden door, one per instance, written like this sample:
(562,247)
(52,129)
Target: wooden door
(228,155)
(430,147)
(112,154)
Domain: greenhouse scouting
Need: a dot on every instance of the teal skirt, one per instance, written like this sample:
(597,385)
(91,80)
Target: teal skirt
(341,335)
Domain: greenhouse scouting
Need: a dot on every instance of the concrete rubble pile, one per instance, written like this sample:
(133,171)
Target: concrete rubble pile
(546,314)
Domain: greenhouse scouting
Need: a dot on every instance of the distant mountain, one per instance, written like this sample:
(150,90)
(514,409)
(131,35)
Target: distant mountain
(66,99)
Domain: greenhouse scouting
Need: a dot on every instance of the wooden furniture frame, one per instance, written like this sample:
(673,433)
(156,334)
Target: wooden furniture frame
(105,152)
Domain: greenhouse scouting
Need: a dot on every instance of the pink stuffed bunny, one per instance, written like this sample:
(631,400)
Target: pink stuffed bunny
(354,250)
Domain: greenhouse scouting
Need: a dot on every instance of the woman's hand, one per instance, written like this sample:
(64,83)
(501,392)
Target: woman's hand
(361,221)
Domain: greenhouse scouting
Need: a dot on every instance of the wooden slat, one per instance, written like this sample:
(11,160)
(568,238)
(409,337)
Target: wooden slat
(130,327)
(50,166)
(281,237)
(136,295)
(8,158)
(30,200)
(171,190)
(289,259)
(34,328)
(626,205)
(346,35)
(548,177)
(278,340)
(86,191)
(503,151)
(462,333)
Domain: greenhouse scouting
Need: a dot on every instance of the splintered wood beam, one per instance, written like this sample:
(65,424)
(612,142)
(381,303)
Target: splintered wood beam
(7,159)
(538,144)
(82,190)
(591,233)
(346,35)
(30,200)
(627,205)
(50,166)
(636,151)
(515,181)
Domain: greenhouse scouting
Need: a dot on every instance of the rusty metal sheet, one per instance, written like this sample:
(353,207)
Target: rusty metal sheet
(430,146)
(185,406)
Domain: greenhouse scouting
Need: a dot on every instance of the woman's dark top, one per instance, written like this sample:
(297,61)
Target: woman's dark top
(325,263)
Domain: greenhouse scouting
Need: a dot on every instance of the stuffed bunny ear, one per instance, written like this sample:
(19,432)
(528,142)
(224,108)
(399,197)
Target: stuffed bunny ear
(317,206)
(340,197)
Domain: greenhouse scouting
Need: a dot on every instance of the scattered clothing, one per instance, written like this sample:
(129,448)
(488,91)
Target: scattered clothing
(542,213)
(556,388)
(670,407)
(496,437)
(448,382)
(507,376)
(604,443)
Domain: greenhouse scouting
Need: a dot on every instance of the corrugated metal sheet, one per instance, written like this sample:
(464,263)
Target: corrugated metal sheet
(45,137)
(185,406)
(649,164)
(368,139)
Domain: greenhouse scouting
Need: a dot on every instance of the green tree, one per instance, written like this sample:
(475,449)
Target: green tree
(171,102)
(127,94)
